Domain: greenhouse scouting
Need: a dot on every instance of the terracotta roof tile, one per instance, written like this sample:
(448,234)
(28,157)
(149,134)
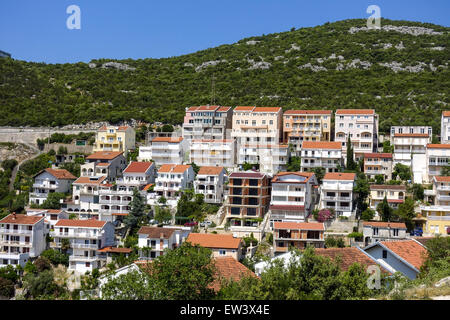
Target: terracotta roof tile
(115,250)
(61,174)
(89,180)
(409,250)
(378,155)
(267,109)
(378,224)
(339,176)
(104,155)
(156,232)
(387,187)
(442,178)
(438,146)
(313,112)
(90,223)
(228,268)
(446,113)
(168,139)
(223,109)
(348,256)
(214,240)
(412,135)
(138,167)
(299,225)
(21,219)
(355,111)
(244,108)
(322,145)
(209,170)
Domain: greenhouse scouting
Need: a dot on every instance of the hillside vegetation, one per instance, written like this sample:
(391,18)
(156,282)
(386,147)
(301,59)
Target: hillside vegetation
(400,70)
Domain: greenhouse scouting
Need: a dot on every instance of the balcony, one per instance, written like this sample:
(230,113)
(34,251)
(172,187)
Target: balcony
(438,218)
(84,235)
(15,231)
(16,243)
(84,246)
(84,258)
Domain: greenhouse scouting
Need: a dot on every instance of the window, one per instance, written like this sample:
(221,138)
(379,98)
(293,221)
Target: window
(395,232)
(271,122)
(375,231)
(222,252)
(384,254)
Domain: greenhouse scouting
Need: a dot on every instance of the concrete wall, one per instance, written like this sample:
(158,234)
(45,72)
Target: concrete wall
(71,148)
(30,135)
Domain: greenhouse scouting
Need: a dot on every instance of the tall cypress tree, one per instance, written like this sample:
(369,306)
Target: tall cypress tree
(137,210)
(351,165)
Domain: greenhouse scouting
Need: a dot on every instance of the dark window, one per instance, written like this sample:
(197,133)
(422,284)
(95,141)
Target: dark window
(251,211)
(236,200)
(384,254)
(253,201)
(253,192)
(237,182)
(235,211)
(253,182)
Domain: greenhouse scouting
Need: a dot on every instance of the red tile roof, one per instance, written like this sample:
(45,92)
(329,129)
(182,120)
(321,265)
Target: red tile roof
(90,223)
(446,113)
(228,268)
(377,224)
(209,170)
(322,145)
(88,180)
(156,232)
(175,168)
(61,174)
(223,109)
(104,155)
(409,250)
(294,112)
(138,167)
(267,109)
(339,176)
(377,155)
(168,139)
(115,250)
(21,219)
(103,164)
(210,240)
(244,109)
(438,146)
(412,135)
(355,111)
(442,178)
(299,225)
(288,208)
(348,256)
(387,187)
(148,186)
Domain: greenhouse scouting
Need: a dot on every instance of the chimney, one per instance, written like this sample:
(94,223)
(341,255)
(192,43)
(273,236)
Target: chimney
(14,216)
(161,235)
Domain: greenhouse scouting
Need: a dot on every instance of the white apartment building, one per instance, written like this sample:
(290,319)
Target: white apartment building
(293,196)
(258,132)
(411,130)
(172,179)
(52,216)
(164,150)
(337,192)
(85,238)
(104,163)
(21,237)
(157,240)
(378,163)
(207,122)
(48,181)
(114,200)
(85,197)
(445,127)
(139,174)
(441,191)
(437,157)
(220,153)
(210,182)
(316,154)
(410,150)
(362,127)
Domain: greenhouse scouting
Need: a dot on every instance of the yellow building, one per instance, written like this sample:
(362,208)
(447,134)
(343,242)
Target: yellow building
(435,219)
(111,138)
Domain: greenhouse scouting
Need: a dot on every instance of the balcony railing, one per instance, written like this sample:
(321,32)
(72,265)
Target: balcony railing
(75,234)
(84,258)
(15,231)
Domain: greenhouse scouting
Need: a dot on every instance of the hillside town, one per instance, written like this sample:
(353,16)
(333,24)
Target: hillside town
(252,184)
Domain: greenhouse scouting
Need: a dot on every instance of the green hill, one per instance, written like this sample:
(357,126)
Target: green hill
(401,71)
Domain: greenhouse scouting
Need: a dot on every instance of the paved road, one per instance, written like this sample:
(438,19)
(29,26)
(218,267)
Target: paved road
(16,168)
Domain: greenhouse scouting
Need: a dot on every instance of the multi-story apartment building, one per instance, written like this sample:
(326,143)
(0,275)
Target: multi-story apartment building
(210,182)
(382,231)
(49,181)
(395,194)
(164,150)
(293,196)
(410,150)
(118,139)
(152,241)
(434,219)
(85,237)
(85,197)
(445,127)
(306,125)
(327,155)
(378,163)
(337,192)
(52,216)
(362,127)
(114,200)
(411,130)
(297,235)
(441,190)
(173,178)
(207,122)
(258,132)
(213,152)
(222,245)
(437,157)
(248,199)
(104,163)
(21,237)
(138,174)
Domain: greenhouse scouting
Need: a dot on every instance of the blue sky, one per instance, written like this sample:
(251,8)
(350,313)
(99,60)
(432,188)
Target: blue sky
(36,30)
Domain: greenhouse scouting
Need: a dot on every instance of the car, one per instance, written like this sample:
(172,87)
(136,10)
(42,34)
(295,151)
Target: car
(190,224)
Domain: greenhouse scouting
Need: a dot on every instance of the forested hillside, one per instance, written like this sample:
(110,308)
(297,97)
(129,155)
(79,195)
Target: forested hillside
(401,70)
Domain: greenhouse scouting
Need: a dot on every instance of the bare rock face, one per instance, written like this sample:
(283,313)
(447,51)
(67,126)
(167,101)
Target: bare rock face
(118,66)
(415,31)
(207,64)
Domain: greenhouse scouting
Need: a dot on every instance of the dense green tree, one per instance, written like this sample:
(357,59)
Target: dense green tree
(385,210)
(320,173)
(350,164)
(367,214)
(294,164)
(53,200)
(137,211)
(162,215)
(406,213)
(417,191)
(402,171)
(56,257)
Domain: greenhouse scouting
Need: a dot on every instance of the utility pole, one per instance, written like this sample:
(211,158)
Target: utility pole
(213,90)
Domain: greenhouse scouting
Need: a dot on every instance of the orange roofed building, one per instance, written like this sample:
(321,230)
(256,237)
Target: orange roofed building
(324,154)
(207,122)
(297,235)
(164,150)
(337,192)
(222,245)
(173,178)
(49,181)
(210,182)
